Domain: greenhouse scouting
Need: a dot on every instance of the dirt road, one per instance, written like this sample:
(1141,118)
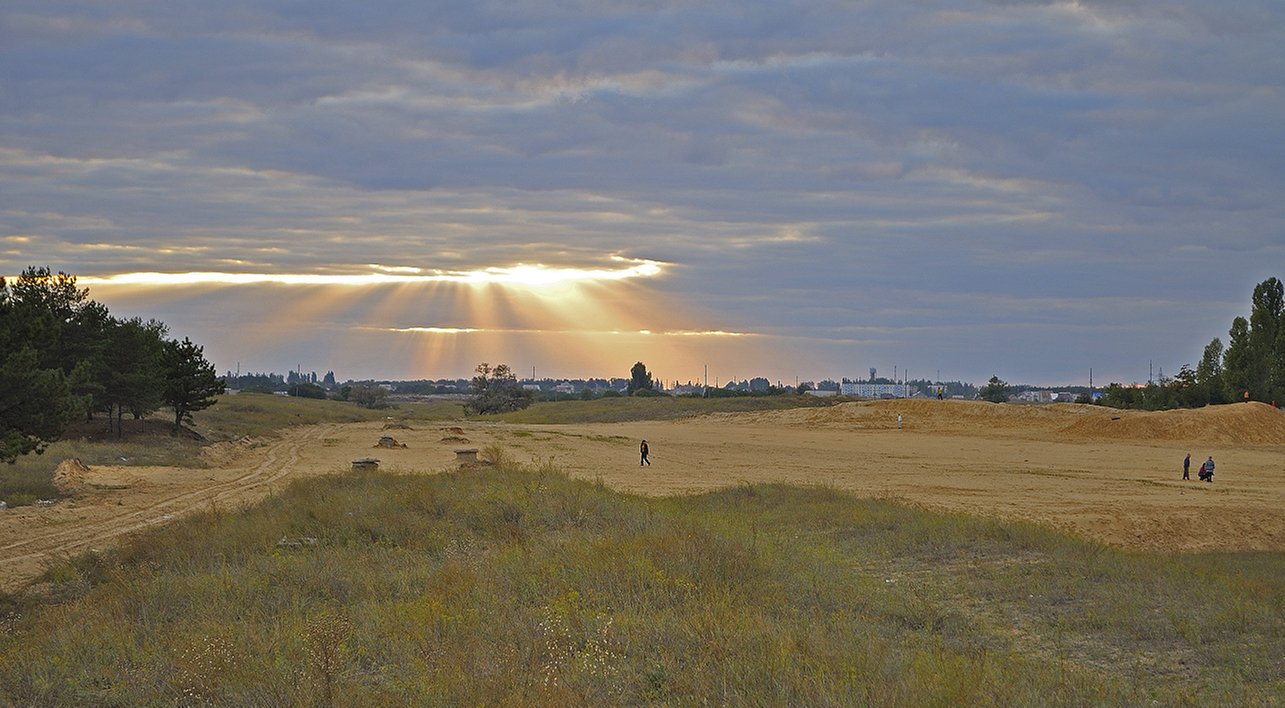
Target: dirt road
(115,501)
(1110,475)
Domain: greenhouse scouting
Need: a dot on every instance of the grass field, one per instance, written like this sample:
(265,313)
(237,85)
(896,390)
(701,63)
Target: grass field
(618,410)
(520,586)
(149,442)
(262,415)
(258,414)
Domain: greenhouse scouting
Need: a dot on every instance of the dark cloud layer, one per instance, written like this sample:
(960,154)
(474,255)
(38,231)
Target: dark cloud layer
(1023,188)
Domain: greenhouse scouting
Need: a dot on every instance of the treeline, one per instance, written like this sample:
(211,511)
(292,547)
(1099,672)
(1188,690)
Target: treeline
(1251,368)
(63,357)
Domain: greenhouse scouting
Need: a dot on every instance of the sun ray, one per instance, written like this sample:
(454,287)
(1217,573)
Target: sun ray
(431,324)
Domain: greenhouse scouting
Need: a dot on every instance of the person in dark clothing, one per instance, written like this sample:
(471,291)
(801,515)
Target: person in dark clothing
(644,450)
(1186,467)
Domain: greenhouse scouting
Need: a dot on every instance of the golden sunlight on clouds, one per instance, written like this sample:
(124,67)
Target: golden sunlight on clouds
(427,324)
(436,330)
(520,274)
(468,330)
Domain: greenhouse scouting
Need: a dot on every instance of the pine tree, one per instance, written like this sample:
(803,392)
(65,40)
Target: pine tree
(190,380)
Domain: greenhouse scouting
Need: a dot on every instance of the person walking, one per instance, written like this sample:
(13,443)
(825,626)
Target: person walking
(898,421)
(1186,467)
(644,450)
(1207,470)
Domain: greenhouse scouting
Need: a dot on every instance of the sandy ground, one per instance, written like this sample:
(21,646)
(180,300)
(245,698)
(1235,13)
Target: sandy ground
(1110,475)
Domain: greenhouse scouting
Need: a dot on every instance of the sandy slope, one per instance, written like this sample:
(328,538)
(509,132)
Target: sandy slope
(1112,475)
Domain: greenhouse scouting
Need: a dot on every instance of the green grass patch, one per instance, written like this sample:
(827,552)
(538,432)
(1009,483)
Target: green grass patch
(258,414)
(626,409)
(520,586)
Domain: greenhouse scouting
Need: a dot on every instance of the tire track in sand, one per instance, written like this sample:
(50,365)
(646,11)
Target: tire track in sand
(23,559)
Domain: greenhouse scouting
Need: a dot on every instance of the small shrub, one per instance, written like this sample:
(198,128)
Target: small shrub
(496,454)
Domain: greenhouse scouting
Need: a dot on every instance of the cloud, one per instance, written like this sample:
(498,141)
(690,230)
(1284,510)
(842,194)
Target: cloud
(802,168)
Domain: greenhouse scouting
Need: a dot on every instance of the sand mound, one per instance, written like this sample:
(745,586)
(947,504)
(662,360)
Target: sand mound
(225,452)
(69,477)
(1237,424)
(976,417)
(1241,423)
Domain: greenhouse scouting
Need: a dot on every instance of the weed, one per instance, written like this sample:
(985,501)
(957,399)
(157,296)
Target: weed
(496,455)
(325,638)
(202,666)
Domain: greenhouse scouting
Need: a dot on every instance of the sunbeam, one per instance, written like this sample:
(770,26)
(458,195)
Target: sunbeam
(431,324)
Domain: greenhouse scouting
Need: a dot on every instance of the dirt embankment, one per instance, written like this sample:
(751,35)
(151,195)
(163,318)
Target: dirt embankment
(1242,424)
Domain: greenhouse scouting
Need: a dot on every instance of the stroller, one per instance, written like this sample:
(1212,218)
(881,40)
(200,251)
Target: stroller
(1205,473)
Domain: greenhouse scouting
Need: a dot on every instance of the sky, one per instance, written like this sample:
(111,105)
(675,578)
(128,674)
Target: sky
(796,190)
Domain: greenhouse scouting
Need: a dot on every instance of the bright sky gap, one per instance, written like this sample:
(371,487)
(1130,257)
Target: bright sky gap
(521,274)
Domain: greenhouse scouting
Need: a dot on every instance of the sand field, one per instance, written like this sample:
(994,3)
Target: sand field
(1107,474)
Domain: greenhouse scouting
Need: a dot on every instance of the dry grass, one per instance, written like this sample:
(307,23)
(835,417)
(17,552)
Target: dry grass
(623,409)
(149,442)
(31,476)
(259,414)
(1235,424)
(520,586)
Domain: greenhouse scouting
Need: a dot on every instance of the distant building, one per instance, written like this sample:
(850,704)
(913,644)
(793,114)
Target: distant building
(1045,396)
(873,390)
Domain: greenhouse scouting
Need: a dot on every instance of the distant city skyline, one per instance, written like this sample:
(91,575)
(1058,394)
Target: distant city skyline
(1022,189)
(619,381)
